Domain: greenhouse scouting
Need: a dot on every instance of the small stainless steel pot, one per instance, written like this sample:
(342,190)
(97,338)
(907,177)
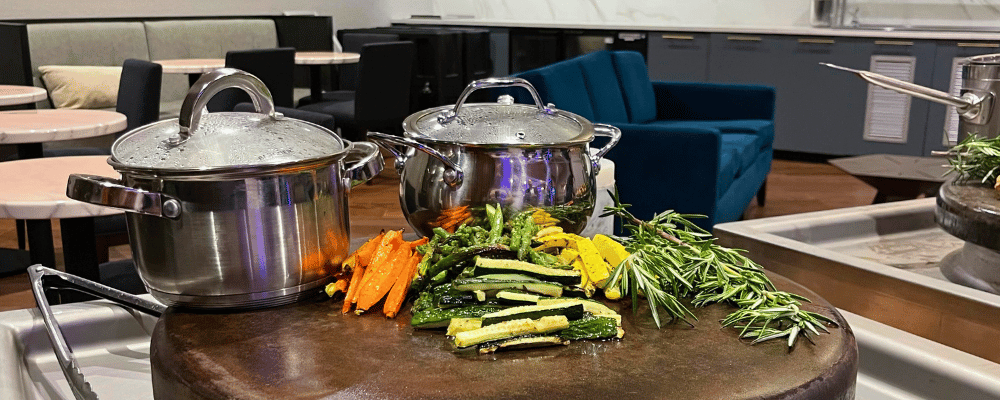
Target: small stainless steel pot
(232,210)
(453,160)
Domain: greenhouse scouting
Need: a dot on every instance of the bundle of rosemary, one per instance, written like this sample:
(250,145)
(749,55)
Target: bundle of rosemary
(977,158)
(673,259)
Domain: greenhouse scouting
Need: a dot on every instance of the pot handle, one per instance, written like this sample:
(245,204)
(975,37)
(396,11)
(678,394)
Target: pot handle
(363,162)
(452,175)
(208,86)
(448,115)
(604,130)
(112,193)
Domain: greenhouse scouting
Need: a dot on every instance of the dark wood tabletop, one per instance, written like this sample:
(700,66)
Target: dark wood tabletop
(311,350)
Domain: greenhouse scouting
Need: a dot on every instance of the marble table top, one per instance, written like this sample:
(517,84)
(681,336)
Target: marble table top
(37,126)
(325,57)
(11,95)
(36,188)
(191,65)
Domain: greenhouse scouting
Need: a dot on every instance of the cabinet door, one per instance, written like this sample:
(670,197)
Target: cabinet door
(500,51)
(821,110)
(534,48)
(678,56)
(896,123)
(816,108)
(942,121)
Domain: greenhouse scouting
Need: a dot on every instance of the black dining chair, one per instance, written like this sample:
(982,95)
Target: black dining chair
(382,99)
(274,67)
(347,74)
(324,120)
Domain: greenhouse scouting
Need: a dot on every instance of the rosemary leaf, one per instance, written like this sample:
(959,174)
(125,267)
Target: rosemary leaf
(672,258)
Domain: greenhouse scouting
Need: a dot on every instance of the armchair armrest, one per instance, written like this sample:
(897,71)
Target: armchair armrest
(712,101)
(668,168)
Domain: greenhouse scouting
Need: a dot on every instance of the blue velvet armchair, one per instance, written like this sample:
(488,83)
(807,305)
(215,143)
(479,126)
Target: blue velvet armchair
(696,148)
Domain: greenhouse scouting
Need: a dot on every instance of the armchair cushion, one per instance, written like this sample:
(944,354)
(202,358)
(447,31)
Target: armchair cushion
(565,87)
(712,101)
(636,87)
(603,88)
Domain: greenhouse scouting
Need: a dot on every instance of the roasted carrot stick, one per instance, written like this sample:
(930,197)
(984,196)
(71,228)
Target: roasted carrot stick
(386,246)
(419,242)
(398,292)
(352,288)
(383,276)
(366,250)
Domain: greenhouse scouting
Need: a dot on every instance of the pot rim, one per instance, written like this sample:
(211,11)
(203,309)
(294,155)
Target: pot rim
(410,128)
(208,173)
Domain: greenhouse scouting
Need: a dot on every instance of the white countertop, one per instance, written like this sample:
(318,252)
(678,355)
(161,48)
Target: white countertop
(758,30)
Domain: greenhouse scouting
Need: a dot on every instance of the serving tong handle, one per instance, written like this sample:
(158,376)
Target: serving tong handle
(43,278)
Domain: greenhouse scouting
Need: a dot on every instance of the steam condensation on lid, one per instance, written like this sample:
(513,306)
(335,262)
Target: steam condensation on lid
(226,140)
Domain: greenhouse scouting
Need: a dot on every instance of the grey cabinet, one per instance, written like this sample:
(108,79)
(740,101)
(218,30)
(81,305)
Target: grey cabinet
(678,56)
(821,110)
(942,121)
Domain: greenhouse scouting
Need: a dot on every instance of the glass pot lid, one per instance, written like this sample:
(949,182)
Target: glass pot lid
(202,141)
(502,123)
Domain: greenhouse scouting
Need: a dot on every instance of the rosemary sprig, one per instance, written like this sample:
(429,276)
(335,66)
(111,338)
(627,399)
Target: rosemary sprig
(976,158)
(673,259)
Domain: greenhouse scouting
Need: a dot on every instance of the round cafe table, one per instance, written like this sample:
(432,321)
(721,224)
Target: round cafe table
(193,67)
(28,129)
(35,190)
(315,60)
(12,95)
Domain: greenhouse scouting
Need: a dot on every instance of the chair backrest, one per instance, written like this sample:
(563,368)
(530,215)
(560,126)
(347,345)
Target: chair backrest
(139,92)
(382,99)
(274,67)
(353,42)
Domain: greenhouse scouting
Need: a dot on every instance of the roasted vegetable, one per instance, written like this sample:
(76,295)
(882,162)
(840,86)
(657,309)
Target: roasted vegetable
(486,266)
(438,318)
(572,312)
(592,328)
(509,329)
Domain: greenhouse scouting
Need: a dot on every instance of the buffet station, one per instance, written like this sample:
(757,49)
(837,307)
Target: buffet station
(507,284)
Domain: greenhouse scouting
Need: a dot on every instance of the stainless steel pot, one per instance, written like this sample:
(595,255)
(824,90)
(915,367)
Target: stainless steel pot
(976,107)
(232,210)
(455,159)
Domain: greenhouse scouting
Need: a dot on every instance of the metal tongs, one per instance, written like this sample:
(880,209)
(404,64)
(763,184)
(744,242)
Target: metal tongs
(43,278)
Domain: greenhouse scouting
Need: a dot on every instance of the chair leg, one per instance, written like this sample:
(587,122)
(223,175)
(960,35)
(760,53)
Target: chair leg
(22,241)
(762,193)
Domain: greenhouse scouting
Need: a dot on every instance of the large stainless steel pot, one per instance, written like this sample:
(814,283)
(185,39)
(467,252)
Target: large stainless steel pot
(455,159)
(232,210)
(977,107)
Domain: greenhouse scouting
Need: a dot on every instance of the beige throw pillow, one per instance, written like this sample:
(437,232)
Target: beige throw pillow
(81,86)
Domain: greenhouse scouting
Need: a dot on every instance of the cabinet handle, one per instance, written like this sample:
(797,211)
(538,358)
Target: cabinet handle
(893,43)
(817,41)
(960,44)
(744,38)
(678,37)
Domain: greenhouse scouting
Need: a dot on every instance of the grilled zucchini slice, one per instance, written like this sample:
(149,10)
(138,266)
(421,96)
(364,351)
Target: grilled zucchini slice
(487,266)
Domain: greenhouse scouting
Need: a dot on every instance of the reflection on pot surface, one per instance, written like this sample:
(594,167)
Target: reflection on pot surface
(515,178)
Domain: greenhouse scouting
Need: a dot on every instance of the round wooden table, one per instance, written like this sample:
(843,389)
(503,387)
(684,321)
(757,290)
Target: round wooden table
(35,190)
(315,60)
(12,95)
(310,350)
(28,129)
(193,67)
